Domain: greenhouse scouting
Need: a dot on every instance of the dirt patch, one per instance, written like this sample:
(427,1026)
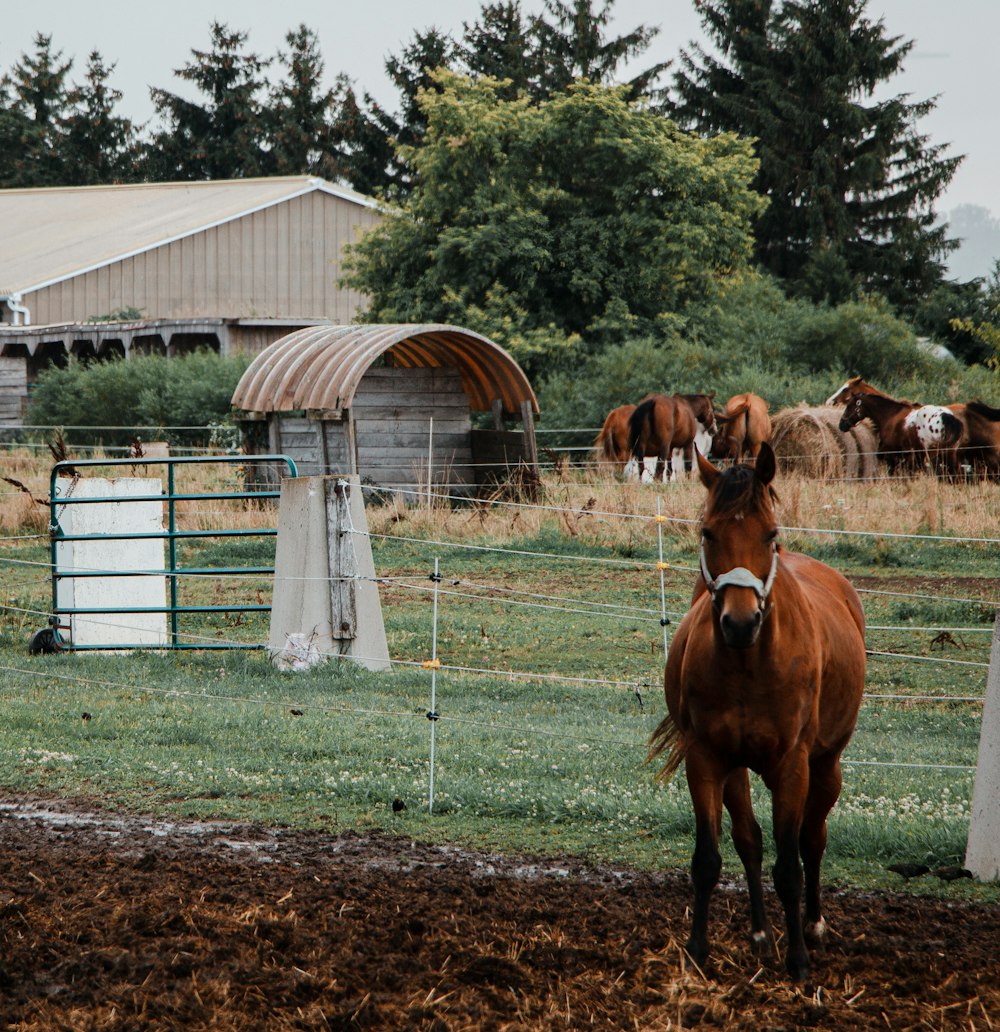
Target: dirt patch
(124,923)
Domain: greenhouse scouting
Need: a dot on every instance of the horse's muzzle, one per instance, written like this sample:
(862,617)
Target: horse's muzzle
(742,631)
(844,426)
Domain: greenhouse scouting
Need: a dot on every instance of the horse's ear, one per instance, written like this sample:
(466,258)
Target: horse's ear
(708,473)
(766,465)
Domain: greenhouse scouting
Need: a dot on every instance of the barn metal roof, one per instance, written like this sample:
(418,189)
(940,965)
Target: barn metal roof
(320,367)
(54,233)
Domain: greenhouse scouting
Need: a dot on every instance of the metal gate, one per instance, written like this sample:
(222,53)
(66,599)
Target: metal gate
(51,639)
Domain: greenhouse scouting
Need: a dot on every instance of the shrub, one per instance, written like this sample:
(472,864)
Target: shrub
(143,395)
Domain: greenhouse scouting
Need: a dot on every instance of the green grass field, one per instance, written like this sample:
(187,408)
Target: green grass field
(552,652)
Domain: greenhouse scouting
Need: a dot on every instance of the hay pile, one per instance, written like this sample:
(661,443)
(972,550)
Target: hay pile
(808,440)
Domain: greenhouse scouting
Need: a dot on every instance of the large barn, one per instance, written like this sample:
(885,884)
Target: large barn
(168,267)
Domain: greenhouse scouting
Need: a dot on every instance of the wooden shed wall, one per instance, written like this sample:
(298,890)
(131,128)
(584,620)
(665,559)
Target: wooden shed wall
(281,262)
(13,388)
(391,415)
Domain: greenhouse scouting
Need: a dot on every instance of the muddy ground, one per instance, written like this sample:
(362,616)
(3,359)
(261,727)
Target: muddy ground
(127,923)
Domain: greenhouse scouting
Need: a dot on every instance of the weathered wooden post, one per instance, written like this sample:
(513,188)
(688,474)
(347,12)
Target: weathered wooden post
(982,856)
(325,598)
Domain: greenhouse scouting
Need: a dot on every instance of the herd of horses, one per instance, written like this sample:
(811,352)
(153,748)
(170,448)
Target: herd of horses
(667,429)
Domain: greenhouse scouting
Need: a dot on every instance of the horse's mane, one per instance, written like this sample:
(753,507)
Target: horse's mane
(738,490)
(984,410)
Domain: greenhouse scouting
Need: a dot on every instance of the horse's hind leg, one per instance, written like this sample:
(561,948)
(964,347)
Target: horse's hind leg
(824,790)
(749,844)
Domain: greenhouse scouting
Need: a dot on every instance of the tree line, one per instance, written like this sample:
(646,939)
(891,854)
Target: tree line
(552,190)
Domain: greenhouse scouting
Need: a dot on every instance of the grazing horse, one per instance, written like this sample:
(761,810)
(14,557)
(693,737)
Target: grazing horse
(664,423)
(611,444)
(742,428)
(908,433)
(765,673)
(981,446)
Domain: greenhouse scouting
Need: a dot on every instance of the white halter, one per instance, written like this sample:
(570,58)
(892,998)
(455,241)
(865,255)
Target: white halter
(740,577)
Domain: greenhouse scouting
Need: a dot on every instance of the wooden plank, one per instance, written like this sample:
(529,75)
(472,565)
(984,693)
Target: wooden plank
(412,442)
(391,425)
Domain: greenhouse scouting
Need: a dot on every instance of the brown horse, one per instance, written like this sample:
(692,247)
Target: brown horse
(611,444)
(909,434)
(742,428)
(765,673)
(981,445)
(663,423)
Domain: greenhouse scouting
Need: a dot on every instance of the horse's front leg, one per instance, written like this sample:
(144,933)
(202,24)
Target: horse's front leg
(749,845)
(789,787)
(705,785)
(824,790)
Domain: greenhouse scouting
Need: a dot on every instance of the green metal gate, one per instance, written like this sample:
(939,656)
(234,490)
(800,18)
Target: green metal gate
(70,469)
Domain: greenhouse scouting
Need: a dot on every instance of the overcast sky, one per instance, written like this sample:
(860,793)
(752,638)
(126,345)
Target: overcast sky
(954,57)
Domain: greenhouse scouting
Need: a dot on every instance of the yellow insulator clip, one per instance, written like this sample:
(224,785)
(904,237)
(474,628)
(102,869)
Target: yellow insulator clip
(432,664)
(663,566)
(660,518)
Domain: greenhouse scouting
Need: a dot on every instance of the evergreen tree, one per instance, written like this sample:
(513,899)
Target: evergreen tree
(541,58)
(504,45)
(220,139)
(361,140)
(850,180)
(35,115)
(99,146)
(298,117)
(575,45)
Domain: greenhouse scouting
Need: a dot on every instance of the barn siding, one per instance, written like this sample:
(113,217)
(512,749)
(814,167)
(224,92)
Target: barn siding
(259,266)
(13,388)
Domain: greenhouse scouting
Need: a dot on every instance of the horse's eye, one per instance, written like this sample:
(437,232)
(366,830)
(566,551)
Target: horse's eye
(772,537)
(707,535)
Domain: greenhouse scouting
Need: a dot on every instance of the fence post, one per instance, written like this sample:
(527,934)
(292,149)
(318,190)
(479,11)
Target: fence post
(982,856)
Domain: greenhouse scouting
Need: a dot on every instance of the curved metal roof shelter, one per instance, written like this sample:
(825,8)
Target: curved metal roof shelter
(320,367)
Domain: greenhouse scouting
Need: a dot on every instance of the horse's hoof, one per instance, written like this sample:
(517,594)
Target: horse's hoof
(697,951)
(798,968)
(762,946)
(815,932)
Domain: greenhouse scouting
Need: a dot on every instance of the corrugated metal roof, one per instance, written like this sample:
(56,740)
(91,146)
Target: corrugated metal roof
(54,233)
(320,367)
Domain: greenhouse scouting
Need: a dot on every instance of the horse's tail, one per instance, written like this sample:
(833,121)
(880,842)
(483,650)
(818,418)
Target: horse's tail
(952,428)
(643,414)
(667,738)
(604,443)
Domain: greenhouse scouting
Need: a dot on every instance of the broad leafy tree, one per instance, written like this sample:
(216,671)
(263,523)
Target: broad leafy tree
(582,217)
(219,138)
(851,181)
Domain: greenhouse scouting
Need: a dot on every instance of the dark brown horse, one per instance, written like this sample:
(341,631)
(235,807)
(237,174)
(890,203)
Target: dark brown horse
(765,674)
(742,428)
(909,434)
(663,423)
(980,447)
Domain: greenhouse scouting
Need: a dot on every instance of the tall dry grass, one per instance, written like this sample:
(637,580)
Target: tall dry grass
(591,505)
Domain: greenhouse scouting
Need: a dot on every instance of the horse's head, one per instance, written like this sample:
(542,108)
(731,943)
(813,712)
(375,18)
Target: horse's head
(739,551)
(854,412)
(704,410)
(851,389)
